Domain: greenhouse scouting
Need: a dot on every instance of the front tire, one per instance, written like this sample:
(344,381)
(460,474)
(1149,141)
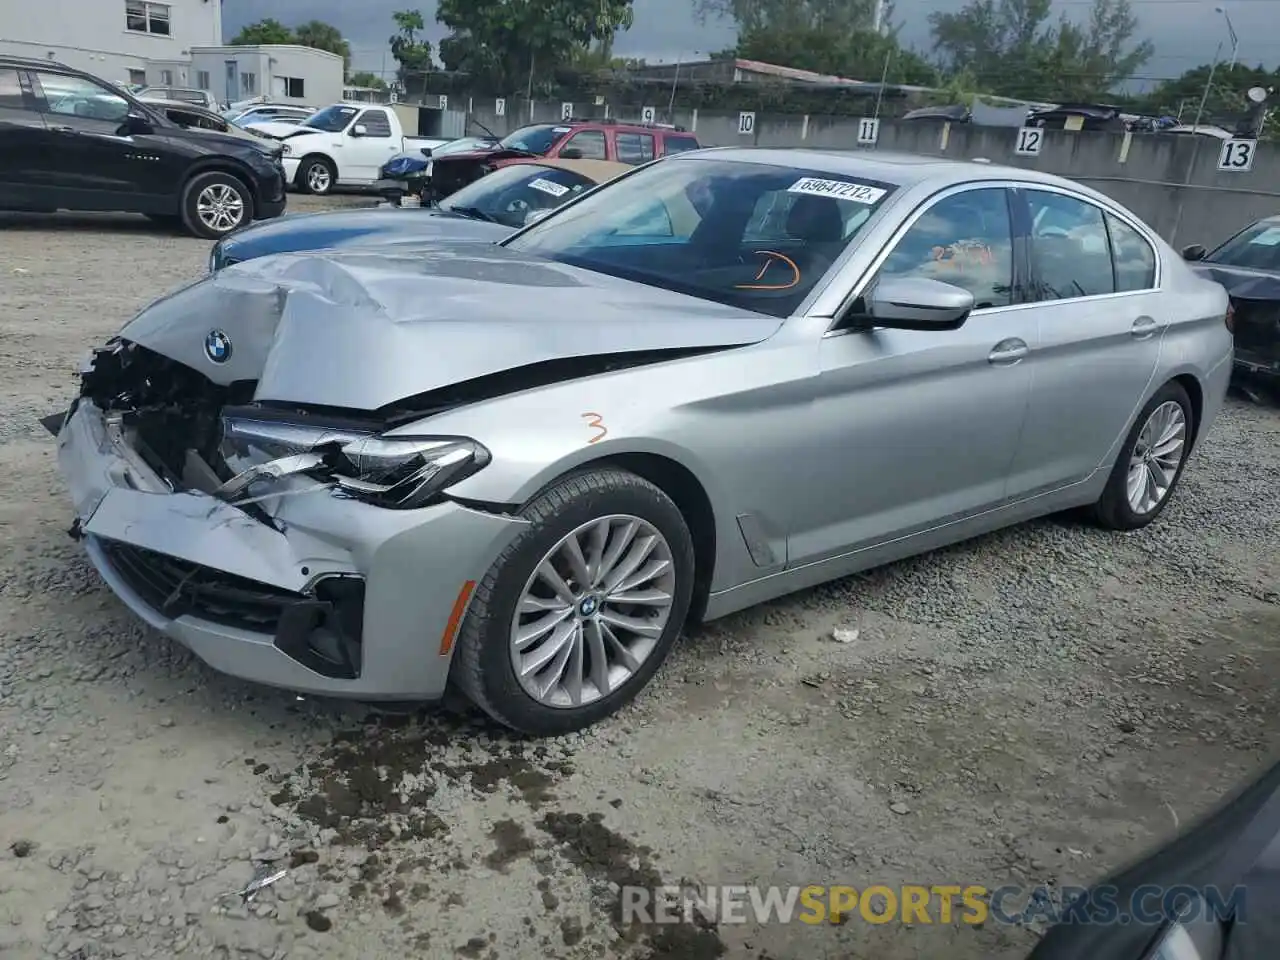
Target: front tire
(216,203)
(576,615)
(317,176)
(1150,462)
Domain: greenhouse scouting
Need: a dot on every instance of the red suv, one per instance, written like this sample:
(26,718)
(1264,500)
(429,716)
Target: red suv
(608,139)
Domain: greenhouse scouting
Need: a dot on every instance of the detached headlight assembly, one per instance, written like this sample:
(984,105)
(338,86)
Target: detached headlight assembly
(399,473)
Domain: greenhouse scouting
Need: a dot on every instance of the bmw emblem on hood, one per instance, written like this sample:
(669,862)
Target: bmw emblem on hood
(217,346)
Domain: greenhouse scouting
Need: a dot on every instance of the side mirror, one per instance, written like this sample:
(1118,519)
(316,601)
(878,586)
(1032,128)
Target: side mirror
(426,152)
(137,123)
(1194,252)
(916,303)
(571,153)
(359,130)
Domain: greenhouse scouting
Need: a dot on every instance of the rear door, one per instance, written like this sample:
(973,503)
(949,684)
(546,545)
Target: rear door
(23,141)
(363,156)
(1100,326)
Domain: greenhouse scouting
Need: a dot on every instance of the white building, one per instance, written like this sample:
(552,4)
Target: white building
(127,41)
(283,72)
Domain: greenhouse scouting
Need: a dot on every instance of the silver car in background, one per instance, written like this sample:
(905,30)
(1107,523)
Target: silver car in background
(728,375)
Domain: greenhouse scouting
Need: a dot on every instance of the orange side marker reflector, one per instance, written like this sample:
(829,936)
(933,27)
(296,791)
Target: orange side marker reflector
(455,617)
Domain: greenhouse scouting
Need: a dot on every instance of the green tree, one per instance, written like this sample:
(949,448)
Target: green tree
(324,36)
(1011,48)
(413,54)
(264,31)
(1226,102)
(366,79)
(502,43)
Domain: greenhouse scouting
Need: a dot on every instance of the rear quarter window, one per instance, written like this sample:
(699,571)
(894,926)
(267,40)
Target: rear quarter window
(678,144)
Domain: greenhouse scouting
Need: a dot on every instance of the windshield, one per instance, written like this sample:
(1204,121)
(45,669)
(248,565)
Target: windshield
(753,235)
(517,194)
(332,119)
(462,145)
(537,138)
(1257,247)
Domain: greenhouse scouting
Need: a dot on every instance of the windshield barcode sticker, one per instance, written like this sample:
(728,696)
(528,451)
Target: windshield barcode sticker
(546,186)
(839,189)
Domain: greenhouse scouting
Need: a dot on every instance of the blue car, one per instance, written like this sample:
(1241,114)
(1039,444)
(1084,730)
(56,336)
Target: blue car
(483,212)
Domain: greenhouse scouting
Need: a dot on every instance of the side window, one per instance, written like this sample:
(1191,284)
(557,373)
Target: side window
(634,148)
(590,142)
(1069,247)
(672,144)
(964,239)
(76,97)
(1134,259)
(376,123)
(10,91)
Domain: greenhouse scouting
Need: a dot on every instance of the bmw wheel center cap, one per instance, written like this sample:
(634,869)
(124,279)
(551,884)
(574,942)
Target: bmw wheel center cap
(217,346)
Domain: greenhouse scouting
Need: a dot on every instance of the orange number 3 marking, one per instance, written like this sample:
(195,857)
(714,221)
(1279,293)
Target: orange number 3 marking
(594,422)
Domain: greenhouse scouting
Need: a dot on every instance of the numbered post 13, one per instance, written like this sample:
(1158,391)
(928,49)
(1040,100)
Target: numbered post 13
(1236,156)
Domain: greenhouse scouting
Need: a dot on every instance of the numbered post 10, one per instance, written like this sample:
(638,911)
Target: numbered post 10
(1236,156)
(746,123)
(1029,142)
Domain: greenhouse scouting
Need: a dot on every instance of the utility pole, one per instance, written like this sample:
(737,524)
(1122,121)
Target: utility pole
(1207,85)
(878,24)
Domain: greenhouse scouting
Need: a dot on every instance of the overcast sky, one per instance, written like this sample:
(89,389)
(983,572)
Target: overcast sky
(1184,32)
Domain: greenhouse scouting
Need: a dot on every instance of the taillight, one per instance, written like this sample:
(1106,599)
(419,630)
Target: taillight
(1230,318)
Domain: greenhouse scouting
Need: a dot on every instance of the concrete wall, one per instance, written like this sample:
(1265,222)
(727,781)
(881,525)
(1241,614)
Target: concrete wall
(321,72)
(1172,182)
(92,34)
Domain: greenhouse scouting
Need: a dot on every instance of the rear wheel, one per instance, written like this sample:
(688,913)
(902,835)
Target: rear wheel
(1150,463)
(576,615)
(216,203)
(317,175)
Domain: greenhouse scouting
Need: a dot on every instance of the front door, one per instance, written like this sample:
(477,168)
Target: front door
(363,156)
(93,162)
(1100,328)
(920,428)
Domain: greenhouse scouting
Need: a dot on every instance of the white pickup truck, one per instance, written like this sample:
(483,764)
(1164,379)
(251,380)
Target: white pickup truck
(341,145)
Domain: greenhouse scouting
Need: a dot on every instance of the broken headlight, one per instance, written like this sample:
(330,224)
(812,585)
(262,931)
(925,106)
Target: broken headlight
(390,471)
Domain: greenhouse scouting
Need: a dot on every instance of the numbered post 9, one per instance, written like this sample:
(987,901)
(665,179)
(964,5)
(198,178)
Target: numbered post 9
(566,111)
(500,107)
(444,102)
(1236,156)
(1029,142)
(648,114)
(747,123)
(868,131)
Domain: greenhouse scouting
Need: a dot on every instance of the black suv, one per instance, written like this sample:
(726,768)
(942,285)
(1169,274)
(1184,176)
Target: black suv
(69,141)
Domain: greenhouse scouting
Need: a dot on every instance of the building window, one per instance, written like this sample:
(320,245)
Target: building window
(166,77)
(141,16)
(138,76)
(293,87)
(249,83)
(202,80)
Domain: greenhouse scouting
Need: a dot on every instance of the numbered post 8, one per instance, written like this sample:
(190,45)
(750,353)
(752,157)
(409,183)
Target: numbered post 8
(1029,142)
(747,123)
(1236,156)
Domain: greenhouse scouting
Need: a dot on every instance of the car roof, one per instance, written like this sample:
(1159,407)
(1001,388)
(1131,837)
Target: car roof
(902,169)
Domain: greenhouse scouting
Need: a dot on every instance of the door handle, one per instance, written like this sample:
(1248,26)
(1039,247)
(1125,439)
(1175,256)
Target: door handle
(1008,352)
(1143,328)
(61,129)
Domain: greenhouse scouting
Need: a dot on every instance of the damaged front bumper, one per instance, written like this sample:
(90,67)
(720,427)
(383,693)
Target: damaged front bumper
(332,597)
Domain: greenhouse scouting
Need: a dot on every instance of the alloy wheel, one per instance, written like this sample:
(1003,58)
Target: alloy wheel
(593,611)
(318,178)
(220,207)
(1157,454)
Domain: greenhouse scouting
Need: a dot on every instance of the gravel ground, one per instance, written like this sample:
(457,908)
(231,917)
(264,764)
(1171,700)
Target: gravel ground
(1032,707)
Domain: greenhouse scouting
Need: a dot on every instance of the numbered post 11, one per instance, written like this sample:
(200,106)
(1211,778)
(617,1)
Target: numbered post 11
(746,123)
(1029,142)
(868,131)
(1236,156)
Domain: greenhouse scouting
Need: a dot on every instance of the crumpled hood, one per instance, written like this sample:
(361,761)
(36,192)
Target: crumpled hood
(341,228)
(362,330)
(1243,283)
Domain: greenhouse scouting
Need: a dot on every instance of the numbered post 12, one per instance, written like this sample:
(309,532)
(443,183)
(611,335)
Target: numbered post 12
(1029,142)
(868,131)
(746,123)
(1236,156)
